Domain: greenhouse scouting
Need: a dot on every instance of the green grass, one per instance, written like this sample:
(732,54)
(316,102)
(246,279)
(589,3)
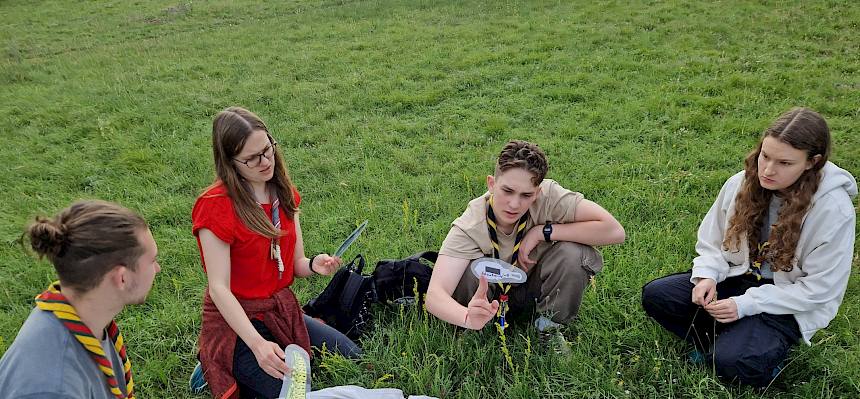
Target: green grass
(393,111)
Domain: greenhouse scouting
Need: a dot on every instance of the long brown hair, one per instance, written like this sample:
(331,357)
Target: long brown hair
(230,130)
(87,240)
(803,129)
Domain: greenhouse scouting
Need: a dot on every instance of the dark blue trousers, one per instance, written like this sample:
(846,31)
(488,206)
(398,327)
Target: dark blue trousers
(747,350)
(256,383)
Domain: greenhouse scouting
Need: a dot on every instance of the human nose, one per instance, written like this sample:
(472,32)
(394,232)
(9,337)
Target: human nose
(264,161)
(768,168)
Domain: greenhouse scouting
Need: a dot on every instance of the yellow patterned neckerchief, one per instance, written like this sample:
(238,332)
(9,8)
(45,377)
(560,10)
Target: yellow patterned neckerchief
(52,300)
(494,238)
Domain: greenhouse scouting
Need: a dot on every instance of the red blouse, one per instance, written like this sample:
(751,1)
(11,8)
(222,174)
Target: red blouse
(253,273)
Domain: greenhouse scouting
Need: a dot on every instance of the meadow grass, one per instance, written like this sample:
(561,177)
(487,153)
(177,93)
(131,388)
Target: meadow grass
(393,111)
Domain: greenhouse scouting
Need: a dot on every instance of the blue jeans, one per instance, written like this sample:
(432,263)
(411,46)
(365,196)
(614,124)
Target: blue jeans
(747,350)
(256,383)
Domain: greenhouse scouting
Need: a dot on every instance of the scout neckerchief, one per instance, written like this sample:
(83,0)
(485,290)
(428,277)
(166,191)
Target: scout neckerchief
(275,245)
(758,257)
(52,300)
(760,254)
(520,229)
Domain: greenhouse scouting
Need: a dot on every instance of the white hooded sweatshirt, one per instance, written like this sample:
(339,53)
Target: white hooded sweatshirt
(812,291)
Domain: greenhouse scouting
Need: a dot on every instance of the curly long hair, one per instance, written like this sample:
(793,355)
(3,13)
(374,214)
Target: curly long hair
(803,129)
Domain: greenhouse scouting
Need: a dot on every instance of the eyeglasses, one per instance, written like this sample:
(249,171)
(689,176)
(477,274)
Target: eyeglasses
(256,160)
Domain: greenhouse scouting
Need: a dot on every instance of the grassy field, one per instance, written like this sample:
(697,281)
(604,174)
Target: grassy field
(393,111)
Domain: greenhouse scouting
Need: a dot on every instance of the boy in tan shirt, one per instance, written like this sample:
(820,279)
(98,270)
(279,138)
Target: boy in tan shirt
(537,225)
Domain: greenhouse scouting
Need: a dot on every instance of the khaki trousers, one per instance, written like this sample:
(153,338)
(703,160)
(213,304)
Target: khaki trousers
(554,286)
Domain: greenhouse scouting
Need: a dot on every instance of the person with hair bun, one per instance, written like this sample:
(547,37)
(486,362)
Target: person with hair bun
(70,346)
(774,256)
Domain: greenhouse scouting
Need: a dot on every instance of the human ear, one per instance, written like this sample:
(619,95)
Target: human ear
(491,181)
(812,162)
(116,277)
(124,276)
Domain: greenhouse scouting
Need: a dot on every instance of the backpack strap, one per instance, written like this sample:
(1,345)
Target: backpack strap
(350,292)
(356,284)
(428,255)
(359,267)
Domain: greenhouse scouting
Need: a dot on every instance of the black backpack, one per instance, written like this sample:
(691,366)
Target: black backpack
(345,302)
(395,279)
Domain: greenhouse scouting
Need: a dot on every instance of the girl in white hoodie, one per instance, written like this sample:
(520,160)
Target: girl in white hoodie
(774,255)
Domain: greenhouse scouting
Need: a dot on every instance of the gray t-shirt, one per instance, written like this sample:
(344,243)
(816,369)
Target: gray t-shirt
(46,361)
(764,234)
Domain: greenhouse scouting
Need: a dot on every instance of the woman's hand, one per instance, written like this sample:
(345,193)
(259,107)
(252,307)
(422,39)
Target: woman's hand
(270,357)
(480,310)
(705,291)
(724,310)
(325,264)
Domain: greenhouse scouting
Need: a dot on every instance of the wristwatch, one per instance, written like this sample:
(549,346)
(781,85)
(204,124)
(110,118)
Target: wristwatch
(547,231)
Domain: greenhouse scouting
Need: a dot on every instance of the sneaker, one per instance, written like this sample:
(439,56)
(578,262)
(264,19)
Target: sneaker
(697,357)
(197,383)
(297,382)
(549,333)
(543,324)
(777,370)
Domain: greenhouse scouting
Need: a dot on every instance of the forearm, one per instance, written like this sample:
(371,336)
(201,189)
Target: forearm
(806,294)
(234,315)
(790,299)
(593,232)
(445,307)
(827,268)
(301,266)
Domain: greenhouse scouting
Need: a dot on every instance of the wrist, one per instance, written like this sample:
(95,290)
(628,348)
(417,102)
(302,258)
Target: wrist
(742,306)
(535,234)
(547,232)
(256,342)
(705,280)
(311,264)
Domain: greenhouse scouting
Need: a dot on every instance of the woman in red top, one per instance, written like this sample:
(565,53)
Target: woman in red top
(250,240)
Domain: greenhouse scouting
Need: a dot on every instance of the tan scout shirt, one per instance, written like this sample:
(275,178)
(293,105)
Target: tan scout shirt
(469,238)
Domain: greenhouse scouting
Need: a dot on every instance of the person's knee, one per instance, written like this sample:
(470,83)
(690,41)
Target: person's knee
(751,352)
(576,254)
(753,371)
(655,296)
(349,350)
(570,249)
(651,295)
(571,261)
(341,346)
(667,294)
(747,367)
